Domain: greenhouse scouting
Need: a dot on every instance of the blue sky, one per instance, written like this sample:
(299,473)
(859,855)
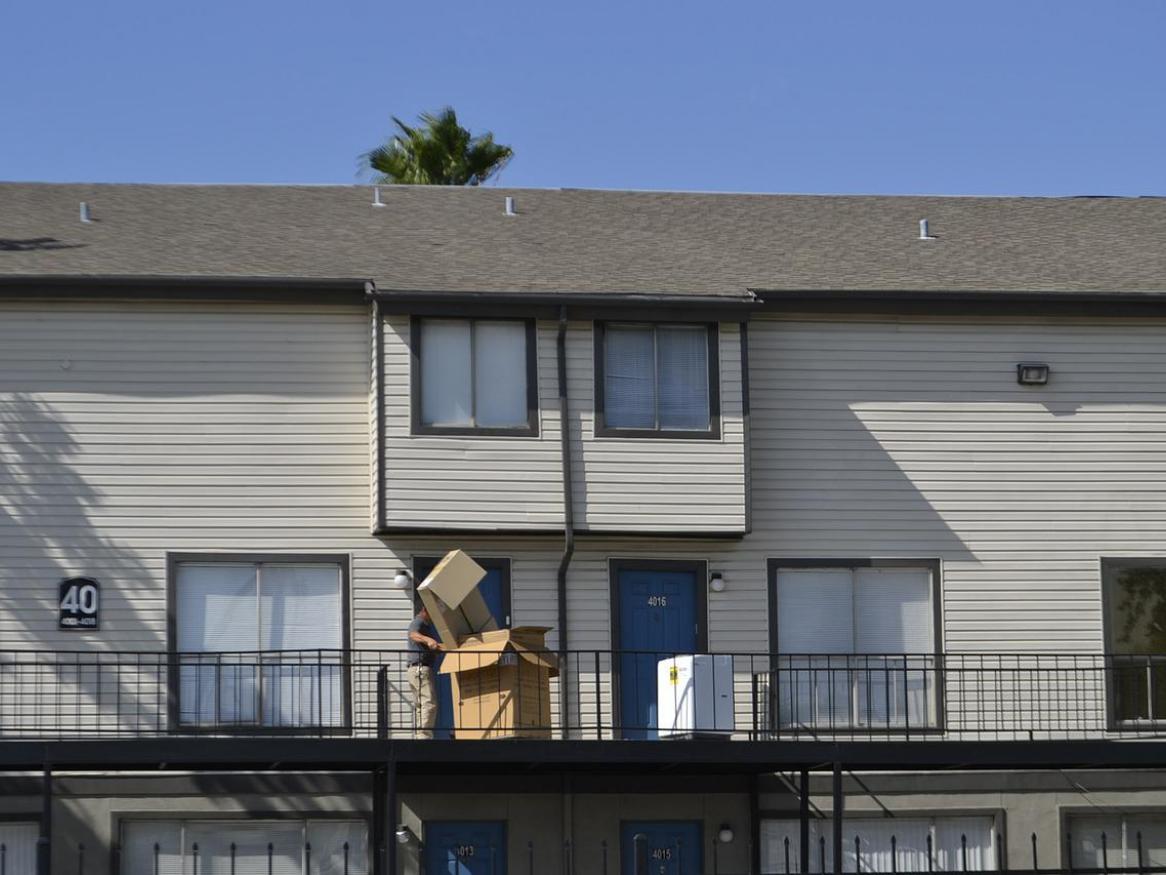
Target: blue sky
(1052,97)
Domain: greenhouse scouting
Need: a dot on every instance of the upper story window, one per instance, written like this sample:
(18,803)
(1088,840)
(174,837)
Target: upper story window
(260,643)
(656,380)
(474,376)
(856,643)
(1135,599)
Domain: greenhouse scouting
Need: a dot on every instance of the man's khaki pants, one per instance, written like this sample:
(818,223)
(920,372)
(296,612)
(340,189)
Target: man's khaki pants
(424,699)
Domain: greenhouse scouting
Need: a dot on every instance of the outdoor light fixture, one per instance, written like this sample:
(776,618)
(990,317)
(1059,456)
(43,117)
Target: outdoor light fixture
(1032,373)
(403,835)
(716,581)
(725,834)
(403,580)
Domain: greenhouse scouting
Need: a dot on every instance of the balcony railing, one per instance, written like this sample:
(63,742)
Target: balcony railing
(609,695)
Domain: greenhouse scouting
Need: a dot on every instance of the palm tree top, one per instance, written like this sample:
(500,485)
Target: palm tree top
(438,151)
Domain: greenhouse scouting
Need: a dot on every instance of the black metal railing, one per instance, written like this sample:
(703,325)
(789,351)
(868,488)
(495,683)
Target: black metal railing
(635,695)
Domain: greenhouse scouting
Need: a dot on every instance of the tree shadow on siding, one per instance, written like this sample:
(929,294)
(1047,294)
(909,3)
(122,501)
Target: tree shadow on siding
(48,533)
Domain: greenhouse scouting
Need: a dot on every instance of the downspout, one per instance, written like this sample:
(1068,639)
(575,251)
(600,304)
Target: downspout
(568,520)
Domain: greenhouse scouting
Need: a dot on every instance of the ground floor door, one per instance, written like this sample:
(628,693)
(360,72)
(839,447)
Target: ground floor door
(661,847)
(465,847)
(495,589)
(659,611)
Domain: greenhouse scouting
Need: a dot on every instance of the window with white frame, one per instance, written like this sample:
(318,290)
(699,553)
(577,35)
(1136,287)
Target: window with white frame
(290,846)
(657,378)
(260,643)
(856,645)
(1114,841)
(474,375)
(18,847)
(954,844)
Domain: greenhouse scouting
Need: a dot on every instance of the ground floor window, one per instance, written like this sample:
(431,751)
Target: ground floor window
(18,847)
(245,847)
(1113,841)
(953,843)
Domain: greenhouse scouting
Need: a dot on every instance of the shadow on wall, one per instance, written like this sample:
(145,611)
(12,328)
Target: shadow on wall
(47,536)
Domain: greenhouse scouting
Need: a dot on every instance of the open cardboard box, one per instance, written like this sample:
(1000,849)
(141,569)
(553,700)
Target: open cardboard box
(500,677)
(501,684)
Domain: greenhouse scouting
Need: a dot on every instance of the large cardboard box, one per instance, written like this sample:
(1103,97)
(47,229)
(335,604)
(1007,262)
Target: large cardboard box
(501,684)
(450,594)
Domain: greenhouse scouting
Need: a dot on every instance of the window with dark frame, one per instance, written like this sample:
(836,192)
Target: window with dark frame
(856,643)
(657,379)
(1135,599)
(259,643)
(474,376)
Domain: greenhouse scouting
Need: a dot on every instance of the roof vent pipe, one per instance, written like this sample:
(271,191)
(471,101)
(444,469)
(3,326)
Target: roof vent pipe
(510,211)
(376,196)
(85,217)
(924,233)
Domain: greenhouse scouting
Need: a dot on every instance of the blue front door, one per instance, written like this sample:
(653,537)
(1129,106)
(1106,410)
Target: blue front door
(657,618)
(494,589)
(661,847)
(465,847)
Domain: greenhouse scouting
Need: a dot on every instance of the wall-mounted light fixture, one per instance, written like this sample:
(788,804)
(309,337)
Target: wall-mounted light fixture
(725,834)
(1032,373)
(403,835)
(716,581)
(403,579)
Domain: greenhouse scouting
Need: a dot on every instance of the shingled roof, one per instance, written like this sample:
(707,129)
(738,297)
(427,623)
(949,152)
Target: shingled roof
(433,239)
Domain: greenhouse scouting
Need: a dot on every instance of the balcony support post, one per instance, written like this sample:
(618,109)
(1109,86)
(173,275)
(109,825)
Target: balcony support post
(378,837)
(44,842)
(804,821)
(392,815)
(837,816)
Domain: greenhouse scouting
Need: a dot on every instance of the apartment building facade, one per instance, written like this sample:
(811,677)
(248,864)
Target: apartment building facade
(898,461)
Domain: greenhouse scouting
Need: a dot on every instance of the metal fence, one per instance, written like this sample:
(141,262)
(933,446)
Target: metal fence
(588,694)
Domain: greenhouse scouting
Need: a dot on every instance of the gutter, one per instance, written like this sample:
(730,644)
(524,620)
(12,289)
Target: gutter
(568,517)
(162,286)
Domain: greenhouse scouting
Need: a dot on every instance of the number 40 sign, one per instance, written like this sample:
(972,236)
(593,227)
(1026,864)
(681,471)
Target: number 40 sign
(80,604)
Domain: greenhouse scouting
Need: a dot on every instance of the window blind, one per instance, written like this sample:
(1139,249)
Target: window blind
(629,377)
(328,838)
(228,611)
(683,376)
(874,844)
(218,616)
(258,844)
(499,374)
(446,389)
(894,610)
(19,847)
(815,613)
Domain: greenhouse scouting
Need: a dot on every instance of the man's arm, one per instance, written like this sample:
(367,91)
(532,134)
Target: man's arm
(418,638)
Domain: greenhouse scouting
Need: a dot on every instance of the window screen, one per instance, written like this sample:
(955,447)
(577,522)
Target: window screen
(855,647)
(912,836)
(656,377)
(473,373)
(1112,841)
(245,847)
(18,848)
(1135,591)
(260,643)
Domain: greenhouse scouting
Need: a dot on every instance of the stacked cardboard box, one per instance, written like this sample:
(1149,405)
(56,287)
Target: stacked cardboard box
(500,677)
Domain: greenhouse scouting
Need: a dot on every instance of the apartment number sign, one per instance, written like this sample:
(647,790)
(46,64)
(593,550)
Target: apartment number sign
(80,604)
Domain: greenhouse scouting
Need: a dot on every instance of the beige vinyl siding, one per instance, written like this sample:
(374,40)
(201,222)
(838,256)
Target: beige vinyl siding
(912,438)
(130,429)
(468,482)
(656,484)
(515,483)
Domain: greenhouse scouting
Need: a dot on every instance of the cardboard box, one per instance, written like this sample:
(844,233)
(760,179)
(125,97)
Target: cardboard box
(450,594)
(501,684)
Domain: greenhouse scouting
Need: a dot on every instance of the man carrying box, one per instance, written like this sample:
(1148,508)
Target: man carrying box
(423,648)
